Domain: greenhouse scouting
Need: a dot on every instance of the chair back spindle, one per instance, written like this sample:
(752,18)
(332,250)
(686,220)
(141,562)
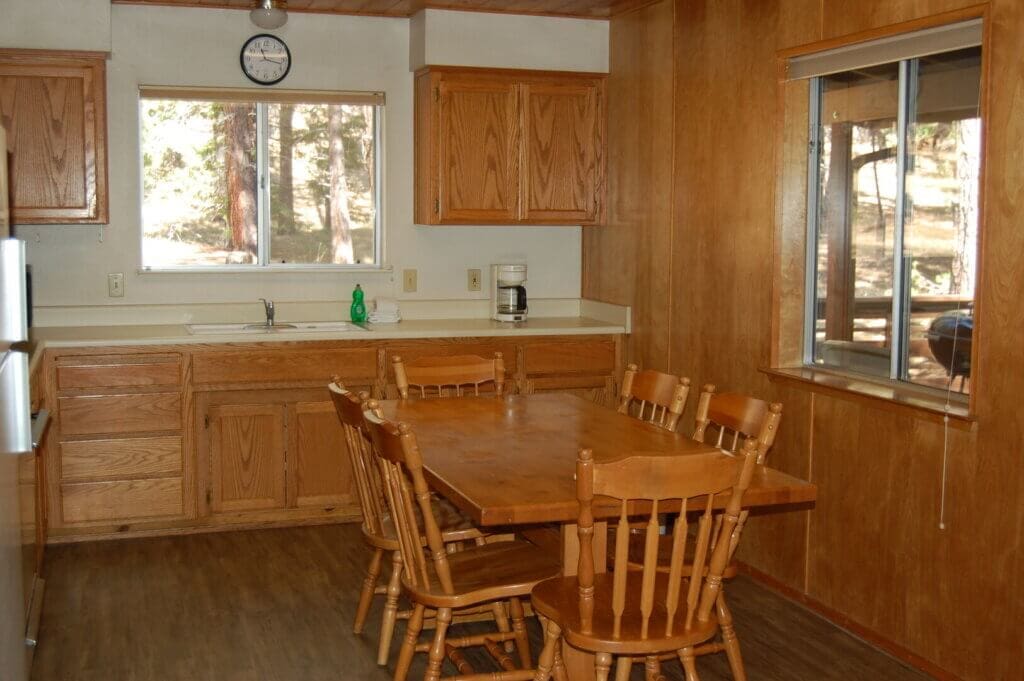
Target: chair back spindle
(653,396)
(448,376)
(643,483)
(401,466)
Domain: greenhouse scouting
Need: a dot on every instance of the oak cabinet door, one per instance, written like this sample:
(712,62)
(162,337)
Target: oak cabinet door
(563,138)
(319,468)
(479,151)
(247,457)
(52,106)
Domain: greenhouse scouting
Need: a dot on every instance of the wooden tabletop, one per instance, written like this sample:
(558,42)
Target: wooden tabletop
(512,460)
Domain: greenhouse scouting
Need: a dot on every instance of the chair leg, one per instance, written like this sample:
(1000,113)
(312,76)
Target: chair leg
(732,644)
(546,662)
(501,619)
(623,667)
(366,595)
(689,664)
(412,635)
(602,665)
(436,656)
(515,607)
(652,668)
(387,624)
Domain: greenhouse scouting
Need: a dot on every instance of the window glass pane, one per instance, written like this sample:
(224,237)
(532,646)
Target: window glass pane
(322,175)
(199,183)
(856,219)
(941,223)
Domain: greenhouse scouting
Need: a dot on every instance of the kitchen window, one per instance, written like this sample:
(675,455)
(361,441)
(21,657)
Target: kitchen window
(893,205)
(245,180)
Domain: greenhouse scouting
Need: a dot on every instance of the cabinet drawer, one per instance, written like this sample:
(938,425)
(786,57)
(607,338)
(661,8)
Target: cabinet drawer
(561,357)
(120,413)
(117,459)
(121,372)
(269,366)
(121,500)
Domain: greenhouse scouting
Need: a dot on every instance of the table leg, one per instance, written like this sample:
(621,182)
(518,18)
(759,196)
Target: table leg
(579,665)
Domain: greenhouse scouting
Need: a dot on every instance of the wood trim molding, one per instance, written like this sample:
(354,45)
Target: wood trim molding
(866,634)
(972,12)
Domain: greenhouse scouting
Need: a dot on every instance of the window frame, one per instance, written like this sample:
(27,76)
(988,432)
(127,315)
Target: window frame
(899,365)
(262,99)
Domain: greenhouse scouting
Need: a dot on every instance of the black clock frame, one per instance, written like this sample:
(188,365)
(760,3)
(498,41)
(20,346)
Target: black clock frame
(241,59)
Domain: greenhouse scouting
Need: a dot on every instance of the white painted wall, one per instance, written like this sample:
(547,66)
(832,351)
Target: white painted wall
(442,37)
(55,24)
(174,46)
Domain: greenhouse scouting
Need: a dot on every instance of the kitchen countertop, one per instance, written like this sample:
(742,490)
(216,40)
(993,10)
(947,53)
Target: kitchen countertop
(84,336)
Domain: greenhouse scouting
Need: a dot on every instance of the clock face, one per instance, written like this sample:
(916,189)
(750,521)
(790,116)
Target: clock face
(265,59)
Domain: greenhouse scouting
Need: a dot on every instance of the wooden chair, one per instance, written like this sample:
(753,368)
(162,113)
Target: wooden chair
(471,578)
(724,420)
(448,376)
(378,528)
(646,612)
(653,396)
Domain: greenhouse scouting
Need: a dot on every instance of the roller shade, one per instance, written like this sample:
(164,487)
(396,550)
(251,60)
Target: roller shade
(254,95)
(886,50)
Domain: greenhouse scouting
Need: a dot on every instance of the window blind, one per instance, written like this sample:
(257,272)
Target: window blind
(261,95)
(886,50)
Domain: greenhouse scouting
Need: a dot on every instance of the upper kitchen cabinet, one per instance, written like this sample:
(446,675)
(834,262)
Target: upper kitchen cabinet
(53,107)
(504,147)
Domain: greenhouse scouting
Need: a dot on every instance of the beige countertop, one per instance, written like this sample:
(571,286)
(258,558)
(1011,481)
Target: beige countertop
(84,336)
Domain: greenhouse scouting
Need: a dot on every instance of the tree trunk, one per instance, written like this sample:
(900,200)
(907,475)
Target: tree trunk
(340,223)
(285,182)
(241,171)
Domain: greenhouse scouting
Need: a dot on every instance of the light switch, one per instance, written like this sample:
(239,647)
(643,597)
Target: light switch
(409,281)
(115,285)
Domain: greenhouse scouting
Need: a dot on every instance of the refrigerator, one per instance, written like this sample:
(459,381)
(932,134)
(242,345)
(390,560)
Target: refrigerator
(15,438)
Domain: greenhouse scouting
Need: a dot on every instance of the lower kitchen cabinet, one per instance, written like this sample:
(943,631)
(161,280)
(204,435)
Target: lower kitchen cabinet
(267,451)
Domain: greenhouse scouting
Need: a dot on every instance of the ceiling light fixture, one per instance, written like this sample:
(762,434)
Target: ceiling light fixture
(269,14)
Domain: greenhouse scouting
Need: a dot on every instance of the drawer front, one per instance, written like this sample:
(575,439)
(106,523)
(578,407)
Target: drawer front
(284,366)
(121,500)
(120,413)
(117,459)
(561,357)
(120,372)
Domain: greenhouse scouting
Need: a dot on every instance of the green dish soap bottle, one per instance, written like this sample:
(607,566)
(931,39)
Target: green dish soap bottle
(357,313)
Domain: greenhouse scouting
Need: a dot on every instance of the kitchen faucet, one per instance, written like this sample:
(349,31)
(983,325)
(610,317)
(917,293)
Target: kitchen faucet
(268,307)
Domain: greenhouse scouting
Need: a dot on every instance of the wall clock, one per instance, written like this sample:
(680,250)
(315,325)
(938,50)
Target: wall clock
(265,59)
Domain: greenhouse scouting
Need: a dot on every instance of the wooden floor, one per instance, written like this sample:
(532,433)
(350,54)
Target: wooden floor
(277,605)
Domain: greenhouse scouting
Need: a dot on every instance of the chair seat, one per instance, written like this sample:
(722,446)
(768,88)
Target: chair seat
(487,573)
(453,525)
(558,600)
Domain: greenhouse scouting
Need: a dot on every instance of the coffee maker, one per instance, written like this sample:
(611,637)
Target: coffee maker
(508,295)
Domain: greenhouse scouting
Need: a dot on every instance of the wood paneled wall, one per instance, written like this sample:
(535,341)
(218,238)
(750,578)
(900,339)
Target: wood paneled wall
(872,549)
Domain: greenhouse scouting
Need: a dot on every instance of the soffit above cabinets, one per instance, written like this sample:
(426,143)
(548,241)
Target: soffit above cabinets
(585,9)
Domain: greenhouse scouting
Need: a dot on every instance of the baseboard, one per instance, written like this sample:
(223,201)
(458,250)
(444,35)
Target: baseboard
(843,622)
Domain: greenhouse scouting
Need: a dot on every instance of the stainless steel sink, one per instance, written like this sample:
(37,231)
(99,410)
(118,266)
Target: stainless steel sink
(298,327)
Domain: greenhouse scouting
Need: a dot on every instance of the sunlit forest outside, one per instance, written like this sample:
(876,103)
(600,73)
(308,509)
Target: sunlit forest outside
(201,193)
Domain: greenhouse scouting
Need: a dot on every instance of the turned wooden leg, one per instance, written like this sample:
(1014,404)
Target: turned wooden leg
(412,635)
(559,671)
(436,656)
(623,666)
(652,668)
(689,665)
(602,665)
(732,644)
(501,619)
(519,627)
(366,595)
(546,662)
(387,624)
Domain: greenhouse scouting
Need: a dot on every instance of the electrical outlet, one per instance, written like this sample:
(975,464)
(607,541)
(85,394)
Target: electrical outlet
(115,285)
(473,280)
(409,281)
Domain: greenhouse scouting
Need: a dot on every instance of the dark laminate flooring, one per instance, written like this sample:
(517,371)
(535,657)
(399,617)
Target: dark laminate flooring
(277,605)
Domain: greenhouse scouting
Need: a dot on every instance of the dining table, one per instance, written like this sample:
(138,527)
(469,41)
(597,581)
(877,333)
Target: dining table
(510,461)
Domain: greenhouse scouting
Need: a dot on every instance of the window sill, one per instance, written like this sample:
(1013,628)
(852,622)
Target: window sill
(916,402)
(271,269)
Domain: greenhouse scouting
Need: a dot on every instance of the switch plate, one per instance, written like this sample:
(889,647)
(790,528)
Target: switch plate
(115,285)
(473,280)
(409,281)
